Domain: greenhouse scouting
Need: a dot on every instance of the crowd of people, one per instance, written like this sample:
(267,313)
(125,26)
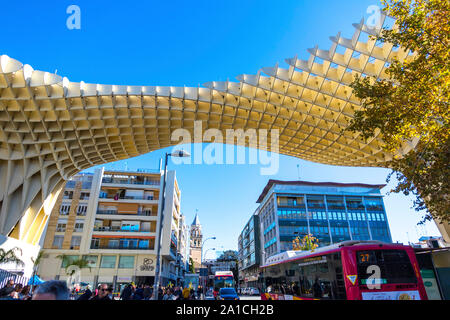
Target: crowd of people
(58,290)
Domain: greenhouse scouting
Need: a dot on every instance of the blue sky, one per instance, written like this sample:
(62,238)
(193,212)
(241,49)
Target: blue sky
(189,43)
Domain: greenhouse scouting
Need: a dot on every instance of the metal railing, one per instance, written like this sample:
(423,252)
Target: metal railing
(127,197)
(139,213)
(5,276)
(147,183)
(122,247)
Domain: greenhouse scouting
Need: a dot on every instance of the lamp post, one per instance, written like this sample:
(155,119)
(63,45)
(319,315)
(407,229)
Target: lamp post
(177,153)
(201,258)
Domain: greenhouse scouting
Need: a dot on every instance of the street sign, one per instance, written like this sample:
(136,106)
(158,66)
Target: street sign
(203,272)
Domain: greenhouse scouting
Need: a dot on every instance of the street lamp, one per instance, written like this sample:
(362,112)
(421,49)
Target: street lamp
(201,258)
(180,154)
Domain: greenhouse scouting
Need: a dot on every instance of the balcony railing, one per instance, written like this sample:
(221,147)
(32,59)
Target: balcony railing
(113,247)
(127,197)
(147,183)
(109,229)
(139,213)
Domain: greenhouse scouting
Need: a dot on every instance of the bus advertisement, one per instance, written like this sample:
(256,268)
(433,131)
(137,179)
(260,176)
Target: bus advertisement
(350,270)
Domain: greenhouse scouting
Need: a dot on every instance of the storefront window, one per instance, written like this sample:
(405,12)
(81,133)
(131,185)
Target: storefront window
(108,262)
(126,262)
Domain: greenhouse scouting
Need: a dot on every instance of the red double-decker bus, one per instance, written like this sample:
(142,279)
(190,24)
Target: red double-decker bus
(350,270)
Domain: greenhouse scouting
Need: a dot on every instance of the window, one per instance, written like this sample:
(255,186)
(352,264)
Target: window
(108,262)
(395,266)
(68,195)
(81,210)
(335,203)
(79,225)
(92,261)
(95,243)
(355,203)
(75,242)
(68,260)
(126,262)
(61,226)
(64,209)
(373,203)
(315,202)
(113,244)
(84,195)
(57,242)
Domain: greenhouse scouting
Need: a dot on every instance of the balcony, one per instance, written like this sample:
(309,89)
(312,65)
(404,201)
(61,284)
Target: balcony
(131,181)
(127,197)
(113,229)
(121,247)
(145,213)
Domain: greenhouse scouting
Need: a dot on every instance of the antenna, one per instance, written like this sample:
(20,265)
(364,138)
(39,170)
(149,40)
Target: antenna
(298,171)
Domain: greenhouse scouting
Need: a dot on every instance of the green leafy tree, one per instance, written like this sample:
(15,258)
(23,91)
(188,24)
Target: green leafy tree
(81,263)
(11,256)
(412,104)
(191,265)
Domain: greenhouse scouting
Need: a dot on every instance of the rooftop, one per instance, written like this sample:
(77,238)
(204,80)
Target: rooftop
(308,183)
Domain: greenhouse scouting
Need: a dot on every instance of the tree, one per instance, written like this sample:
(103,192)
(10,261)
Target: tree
(191,265)
(412,104)
(307,243)
(228,255)
(10,256)
(79,262)
(231,256)
(36,262)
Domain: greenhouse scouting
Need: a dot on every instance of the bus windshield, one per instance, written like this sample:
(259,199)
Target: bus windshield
(395,266)
(223,282)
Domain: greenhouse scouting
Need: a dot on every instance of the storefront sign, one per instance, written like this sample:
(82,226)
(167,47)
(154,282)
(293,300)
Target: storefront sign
(147,265)
(309,261)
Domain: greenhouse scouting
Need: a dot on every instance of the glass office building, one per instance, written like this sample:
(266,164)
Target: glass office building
(331,212)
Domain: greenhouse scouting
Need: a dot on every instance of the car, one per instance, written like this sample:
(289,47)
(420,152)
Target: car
(209,295)
(253,292)
(227,294)
(245,291)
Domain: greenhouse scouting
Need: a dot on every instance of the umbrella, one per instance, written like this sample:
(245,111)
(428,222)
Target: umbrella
(35,280)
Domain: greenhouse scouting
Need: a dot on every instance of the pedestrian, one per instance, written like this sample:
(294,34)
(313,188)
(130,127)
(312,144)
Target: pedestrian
(192,294)
(127,292)
(317,289)
(178,293)
(8,294)
(17,288)
(168,295)
(86,295)
(110,292)
(160,293)
(102,293)
(139,293)
(148,292)
(9,284)
(186,293)
(51,290)
(25,293)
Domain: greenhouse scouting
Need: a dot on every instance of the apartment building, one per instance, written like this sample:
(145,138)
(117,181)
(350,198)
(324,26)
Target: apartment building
(249,253)
(331,212)
(111,219)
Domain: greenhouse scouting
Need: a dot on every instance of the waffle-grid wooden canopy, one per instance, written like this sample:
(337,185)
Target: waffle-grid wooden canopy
(51,128)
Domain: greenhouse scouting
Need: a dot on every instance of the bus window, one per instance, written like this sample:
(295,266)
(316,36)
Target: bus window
(395,266)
